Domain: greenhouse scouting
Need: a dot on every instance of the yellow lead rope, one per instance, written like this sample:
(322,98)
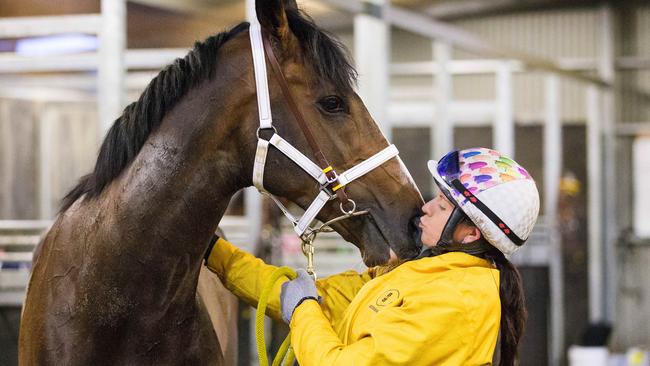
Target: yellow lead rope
(259,321)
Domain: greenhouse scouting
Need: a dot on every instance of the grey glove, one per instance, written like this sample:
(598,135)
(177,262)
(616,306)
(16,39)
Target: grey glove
(295,292)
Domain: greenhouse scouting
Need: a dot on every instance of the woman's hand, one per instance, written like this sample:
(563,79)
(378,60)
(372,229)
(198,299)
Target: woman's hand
(295,292)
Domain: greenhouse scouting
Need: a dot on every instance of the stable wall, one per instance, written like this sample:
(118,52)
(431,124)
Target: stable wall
(60,136)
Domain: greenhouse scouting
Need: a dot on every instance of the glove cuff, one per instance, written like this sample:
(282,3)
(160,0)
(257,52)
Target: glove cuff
(301,301)
(213,241)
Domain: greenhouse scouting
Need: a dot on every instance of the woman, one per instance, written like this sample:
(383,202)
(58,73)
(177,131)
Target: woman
(447,306)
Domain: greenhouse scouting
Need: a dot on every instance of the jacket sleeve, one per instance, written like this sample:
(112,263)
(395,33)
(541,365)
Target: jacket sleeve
(245,276)
(422,331)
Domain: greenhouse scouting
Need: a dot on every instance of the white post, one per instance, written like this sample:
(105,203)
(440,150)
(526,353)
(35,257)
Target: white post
(372,58)
(594,204)
(442,131)
(250,9)
(111,73)
(503,135)
(606,72)
(253,213)
(552,173)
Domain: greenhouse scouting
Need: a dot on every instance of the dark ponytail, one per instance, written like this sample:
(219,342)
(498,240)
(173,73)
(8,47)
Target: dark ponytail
(513,307)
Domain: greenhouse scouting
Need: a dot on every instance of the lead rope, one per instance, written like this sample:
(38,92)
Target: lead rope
(285,351)
(259,318)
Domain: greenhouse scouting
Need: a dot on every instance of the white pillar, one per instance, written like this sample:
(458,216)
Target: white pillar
(552,173)
(442,131)
(607,72)
(250,9)
(503,135)
(594,204)
(372,58)
(111,73)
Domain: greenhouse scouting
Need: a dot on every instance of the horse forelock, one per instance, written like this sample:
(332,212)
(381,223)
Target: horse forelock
(327,55)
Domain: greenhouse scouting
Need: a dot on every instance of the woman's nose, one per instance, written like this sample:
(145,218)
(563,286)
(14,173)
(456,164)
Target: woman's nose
(426,209)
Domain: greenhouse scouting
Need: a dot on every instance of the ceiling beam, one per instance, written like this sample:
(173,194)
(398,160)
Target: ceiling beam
(458,37)
(186,6)
(458,9)
(19,27)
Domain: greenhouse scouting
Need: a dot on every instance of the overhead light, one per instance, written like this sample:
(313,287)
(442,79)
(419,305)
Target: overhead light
(55,45)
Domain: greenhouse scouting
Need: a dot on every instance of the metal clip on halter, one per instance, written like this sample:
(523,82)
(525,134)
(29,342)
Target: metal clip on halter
(308,250)
(309,236)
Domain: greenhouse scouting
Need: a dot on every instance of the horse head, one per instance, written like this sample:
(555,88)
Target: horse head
(321,80)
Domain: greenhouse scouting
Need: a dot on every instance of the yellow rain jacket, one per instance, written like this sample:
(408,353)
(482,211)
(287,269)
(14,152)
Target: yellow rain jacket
(442,310)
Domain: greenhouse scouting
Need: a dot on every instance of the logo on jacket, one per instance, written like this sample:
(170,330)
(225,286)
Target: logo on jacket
(388,297)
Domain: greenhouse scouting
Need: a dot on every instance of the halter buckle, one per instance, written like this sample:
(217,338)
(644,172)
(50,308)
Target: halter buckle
(334,178)
(325,187)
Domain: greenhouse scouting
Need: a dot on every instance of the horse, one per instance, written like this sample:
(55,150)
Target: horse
(114,281)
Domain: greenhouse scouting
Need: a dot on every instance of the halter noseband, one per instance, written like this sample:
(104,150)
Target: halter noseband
(332,185)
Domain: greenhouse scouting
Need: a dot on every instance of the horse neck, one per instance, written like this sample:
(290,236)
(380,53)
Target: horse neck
(169,201)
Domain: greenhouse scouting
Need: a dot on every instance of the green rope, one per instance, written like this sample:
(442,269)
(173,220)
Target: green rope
(259,318)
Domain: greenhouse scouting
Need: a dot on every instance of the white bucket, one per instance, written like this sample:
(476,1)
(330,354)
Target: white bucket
(588,356)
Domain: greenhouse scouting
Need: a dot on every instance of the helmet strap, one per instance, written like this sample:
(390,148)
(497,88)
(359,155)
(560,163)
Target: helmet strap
(447,236)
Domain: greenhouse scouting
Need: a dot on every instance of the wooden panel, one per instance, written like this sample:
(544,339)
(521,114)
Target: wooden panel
(70,139)
(632,319)
(18,154)
(74,146)
(413,145)
(533,350)
(151,27)
(9,8)
(9,335)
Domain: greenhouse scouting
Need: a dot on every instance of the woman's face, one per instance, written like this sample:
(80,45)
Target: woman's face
(435,215)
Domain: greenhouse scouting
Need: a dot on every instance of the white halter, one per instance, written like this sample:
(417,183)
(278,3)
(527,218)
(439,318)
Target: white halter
(266,122)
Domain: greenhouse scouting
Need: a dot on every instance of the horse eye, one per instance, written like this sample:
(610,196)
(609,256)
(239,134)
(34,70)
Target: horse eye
(332,104)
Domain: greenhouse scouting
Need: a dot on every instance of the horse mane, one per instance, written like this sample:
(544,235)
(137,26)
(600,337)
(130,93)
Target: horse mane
(129,132)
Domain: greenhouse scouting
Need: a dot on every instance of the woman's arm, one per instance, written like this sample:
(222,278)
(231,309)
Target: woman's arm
(245,275)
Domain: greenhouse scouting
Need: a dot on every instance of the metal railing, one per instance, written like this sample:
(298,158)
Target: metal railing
(19,238)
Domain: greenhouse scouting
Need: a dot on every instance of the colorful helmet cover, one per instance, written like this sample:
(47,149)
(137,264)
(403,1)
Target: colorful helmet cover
(495,192)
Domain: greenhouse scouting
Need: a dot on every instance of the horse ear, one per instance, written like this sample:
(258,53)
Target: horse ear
(273,17)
